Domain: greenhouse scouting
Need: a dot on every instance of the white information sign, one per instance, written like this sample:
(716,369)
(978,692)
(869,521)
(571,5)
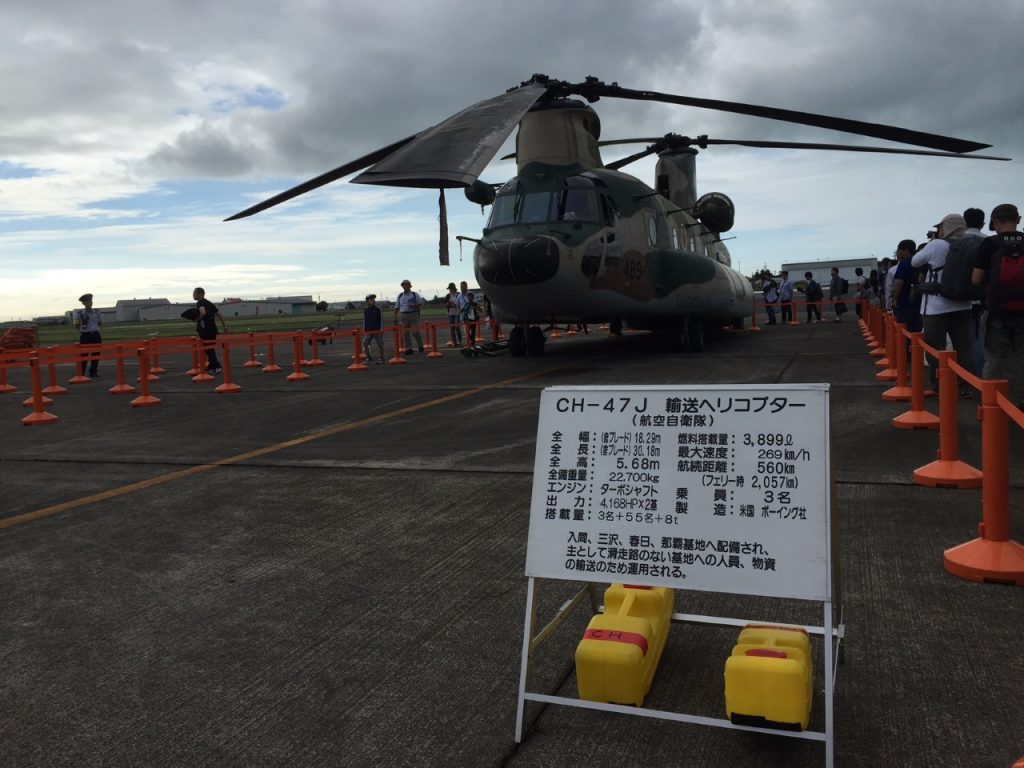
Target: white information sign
(724,489)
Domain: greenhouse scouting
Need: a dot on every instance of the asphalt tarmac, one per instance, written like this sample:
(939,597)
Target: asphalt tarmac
(331,573)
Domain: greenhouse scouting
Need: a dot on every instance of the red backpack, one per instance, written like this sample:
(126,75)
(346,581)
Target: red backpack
(1007,278)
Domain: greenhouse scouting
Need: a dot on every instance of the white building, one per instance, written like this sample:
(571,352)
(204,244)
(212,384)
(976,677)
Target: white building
(822,270)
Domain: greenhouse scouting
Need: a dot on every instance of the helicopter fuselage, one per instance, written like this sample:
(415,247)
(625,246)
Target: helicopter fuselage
(564,243)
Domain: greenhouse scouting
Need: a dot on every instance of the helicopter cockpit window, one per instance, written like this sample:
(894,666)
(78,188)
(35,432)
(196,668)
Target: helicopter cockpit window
(576,203)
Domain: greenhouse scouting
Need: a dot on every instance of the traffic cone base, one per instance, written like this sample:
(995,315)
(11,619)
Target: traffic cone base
(30,402)
(984,560)
(55,389)
(144,400)
(297,376)
(227,387)
(894,394)
(943,473)
(79,379)
(916,420)
(271,368)
(122,389)
(39,417)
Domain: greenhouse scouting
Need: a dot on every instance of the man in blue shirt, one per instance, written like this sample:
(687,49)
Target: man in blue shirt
(373,328)
(902,304)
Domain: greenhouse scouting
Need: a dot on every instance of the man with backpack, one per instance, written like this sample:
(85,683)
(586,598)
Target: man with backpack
(971,241)
(943,315)
(1000,270)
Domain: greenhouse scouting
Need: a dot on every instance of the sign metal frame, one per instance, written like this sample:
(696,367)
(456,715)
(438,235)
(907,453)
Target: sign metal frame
(830,631)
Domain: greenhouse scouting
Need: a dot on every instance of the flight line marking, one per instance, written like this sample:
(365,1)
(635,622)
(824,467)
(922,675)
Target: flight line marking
(124,490)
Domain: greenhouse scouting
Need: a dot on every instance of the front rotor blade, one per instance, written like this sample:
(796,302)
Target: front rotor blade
(631,159)
(324,178)
(455,152)
(876,130)
(845,148)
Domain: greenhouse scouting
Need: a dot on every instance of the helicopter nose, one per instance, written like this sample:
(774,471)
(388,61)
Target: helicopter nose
(520,261)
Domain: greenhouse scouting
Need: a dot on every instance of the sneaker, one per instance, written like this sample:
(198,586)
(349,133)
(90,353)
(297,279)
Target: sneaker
(421,350)
(215,371)
(407,352)
(381,361)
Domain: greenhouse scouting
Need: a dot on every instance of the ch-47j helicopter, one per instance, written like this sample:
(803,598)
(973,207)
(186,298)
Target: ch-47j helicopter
(572,239)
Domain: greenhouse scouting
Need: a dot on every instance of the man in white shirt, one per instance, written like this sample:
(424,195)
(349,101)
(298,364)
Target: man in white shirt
(407,313)
(88,321)
(941,315)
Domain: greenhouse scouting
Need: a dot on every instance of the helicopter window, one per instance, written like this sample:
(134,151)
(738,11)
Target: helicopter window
(652,230)
(609,210)
(576,205)
(503,212)
(675,238)
(534,207)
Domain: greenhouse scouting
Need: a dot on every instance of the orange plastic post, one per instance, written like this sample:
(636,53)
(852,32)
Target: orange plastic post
(994,556)
(357,352)
(433,347)
(555,333)
(252,362)
(121,388)
(4,386)
(893,336)
(31,401)
(154,366)
(145,399)
(38,415)
(271,366)
(753,321)
(196,367)
(149,346)
(79,377)
(948,471)
(397,359)
(917,417)
(52,388)
(298,374)
(428,334)
(314,359)
(227,386)
(901,391)
(202,361)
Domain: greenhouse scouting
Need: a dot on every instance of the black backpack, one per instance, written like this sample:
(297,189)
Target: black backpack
(1006,275)
(955,279)
(844,286)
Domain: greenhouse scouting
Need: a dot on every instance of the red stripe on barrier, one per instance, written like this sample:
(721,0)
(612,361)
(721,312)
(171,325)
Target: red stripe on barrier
(615,636)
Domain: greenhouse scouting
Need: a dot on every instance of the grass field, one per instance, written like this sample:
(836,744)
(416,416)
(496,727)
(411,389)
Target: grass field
(66,334)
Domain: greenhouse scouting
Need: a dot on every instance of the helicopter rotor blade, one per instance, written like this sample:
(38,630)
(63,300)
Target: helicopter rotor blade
(455,151)
(673,140)
(631,159)
(594,89)
(323,178)
(847,148)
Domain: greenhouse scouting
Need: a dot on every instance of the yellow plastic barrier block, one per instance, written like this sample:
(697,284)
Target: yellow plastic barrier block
(768,678)
(616,660)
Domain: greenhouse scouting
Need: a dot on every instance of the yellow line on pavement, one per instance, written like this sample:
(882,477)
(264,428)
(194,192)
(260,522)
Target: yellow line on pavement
(142,485)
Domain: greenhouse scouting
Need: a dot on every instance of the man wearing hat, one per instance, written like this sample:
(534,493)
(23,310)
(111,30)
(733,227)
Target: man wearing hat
(373,328)
(941,315)
(1000,268)
(88,321)
(407,313)
(451,301)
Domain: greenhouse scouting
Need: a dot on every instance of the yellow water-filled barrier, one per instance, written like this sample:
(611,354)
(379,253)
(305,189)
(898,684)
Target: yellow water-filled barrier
(619,652)
(768,678)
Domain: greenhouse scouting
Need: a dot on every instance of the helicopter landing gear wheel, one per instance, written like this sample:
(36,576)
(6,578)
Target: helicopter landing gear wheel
(535,341)
(517,341)
(695,335)
(615,328)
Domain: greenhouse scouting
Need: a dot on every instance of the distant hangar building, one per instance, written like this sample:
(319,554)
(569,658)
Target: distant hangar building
(822,270)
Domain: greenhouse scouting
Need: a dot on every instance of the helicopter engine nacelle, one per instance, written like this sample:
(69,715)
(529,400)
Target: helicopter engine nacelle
(480,192)
(716,212)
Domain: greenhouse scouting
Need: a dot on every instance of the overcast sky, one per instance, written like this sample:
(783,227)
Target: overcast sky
(129,130)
